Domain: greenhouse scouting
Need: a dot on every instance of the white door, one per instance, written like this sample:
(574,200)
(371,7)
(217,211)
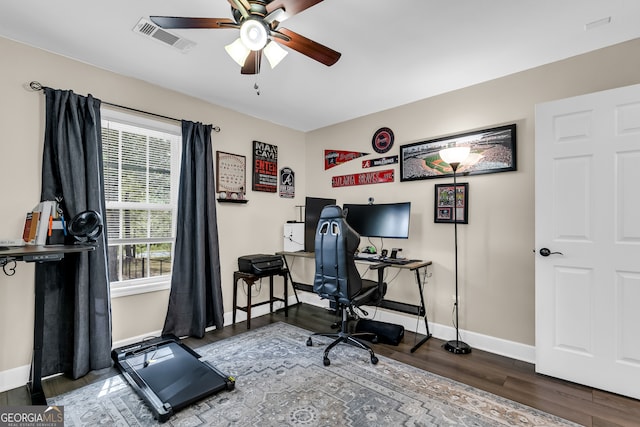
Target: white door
(588,211)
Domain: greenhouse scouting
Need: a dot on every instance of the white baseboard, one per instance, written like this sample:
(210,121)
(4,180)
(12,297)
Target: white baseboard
(17,377)
(133,340)
(511,349)
(514,350)
(14,378)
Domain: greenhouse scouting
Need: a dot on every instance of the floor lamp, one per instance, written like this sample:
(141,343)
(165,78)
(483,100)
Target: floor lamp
(454,156)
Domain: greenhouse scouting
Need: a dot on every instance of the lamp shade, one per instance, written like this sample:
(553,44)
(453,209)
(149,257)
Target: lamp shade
(454,154)
(238,51)
(253,34)
(274,53)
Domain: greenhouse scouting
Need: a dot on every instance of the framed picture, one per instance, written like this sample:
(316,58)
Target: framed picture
(230,175)
(492,150)
(265,167)
(444,203)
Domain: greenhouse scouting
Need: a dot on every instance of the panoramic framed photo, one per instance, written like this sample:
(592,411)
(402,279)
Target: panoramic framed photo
(444,203)
(492,150)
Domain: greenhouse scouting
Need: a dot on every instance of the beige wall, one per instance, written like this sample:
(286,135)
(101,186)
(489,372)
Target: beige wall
(252,228)
(496,259)
(496,247)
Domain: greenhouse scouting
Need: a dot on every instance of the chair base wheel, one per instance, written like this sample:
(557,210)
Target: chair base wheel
(326,361)
(309,342)
(374,360)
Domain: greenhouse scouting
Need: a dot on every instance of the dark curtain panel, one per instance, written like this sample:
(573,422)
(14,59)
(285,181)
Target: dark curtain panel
(195,302)
(77,330)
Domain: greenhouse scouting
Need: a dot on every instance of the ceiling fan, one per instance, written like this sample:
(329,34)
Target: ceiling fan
(258,22)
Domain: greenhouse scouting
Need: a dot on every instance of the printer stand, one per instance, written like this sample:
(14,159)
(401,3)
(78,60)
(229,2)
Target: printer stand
(250,279)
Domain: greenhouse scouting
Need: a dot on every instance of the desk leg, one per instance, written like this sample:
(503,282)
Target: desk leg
(271,293)
(35,385)
(288,274)
(235,298)
(424,307)
(286,295)
(249,289)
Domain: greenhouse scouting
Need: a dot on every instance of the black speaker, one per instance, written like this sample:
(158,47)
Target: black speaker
(387,333)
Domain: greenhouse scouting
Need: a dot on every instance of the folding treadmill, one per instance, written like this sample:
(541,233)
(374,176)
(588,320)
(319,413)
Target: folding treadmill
(168,375)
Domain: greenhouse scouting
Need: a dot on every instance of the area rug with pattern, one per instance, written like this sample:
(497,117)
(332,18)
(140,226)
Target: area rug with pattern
(280,381)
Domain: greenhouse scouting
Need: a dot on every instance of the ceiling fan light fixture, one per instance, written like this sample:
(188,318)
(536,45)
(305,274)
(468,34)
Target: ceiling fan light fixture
(238,51)
(274,53)
(253,34)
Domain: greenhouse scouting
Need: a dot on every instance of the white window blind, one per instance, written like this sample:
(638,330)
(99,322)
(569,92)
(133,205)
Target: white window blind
(141,162)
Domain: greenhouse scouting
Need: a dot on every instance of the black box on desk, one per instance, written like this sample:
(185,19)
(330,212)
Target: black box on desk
(57,236)
(260,263)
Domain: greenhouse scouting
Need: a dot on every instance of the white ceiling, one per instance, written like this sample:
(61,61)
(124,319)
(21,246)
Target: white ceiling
(393,51)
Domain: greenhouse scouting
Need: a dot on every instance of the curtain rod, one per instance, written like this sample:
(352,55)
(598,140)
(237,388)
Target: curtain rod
(36,86)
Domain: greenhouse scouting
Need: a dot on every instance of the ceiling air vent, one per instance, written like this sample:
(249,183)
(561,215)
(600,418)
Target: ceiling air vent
(149,29)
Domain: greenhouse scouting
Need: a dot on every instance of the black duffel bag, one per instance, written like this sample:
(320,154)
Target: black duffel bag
(387,333)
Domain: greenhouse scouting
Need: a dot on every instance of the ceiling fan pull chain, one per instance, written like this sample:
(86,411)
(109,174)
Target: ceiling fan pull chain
(255,85)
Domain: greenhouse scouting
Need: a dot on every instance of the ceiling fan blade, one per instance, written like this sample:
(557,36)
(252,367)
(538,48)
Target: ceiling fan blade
(291,7)
(308,47)
(179,22)
(252,63)
(277,15)
(242,5)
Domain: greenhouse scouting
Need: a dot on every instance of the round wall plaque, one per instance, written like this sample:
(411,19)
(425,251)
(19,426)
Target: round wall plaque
(382,140)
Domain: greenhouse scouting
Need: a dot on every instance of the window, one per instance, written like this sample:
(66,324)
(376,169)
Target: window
(141,162)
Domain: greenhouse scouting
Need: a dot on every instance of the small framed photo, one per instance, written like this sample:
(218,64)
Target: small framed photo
(448,210)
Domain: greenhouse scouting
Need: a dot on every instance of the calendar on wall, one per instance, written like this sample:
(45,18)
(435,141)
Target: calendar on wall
(230,175)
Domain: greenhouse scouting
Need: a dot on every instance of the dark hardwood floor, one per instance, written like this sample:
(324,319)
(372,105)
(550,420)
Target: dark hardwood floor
(499,375)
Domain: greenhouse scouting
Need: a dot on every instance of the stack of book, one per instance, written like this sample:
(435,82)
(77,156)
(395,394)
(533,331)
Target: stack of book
(44,224)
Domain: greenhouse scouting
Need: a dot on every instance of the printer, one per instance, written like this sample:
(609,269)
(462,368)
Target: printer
(260,264)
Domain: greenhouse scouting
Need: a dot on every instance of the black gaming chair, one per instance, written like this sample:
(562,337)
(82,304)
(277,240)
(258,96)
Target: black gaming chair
(337,278)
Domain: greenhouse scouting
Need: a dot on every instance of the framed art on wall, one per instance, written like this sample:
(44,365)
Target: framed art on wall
(230,175)
(265,167)
(492,150)
(444,203)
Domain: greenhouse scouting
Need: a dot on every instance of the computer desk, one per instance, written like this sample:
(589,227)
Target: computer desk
(415,266)
(49,253)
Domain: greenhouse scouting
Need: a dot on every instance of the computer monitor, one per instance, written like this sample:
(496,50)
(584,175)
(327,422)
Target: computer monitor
(389,220)
(312,208)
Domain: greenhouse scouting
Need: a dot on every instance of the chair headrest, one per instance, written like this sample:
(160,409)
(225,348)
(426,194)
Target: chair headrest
(331,211)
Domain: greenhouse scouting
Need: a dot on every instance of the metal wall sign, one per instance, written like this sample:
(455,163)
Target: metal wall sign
(382,161)
(287,183)
(265,167)
(363,178)
(382,140)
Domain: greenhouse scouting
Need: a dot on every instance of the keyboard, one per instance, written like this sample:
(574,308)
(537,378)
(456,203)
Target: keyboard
(367,257)
(386,260)
(397,261)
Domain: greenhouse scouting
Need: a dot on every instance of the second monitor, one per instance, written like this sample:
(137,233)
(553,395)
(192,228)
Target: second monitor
(390,220)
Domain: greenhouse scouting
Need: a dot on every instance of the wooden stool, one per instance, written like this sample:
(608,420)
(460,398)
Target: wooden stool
(250,279)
